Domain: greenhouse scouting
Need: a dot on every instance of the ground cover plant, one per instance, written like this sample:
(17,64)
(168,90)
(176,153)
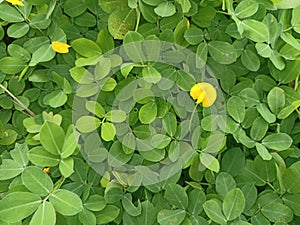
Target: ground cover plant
(149,112)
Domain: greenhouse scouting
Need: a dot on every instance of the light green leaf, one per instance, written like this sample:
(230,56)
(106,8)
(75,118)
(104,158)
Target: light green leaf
(37,181)
(277,211)
(66,202)
(222,52)
(108,214)
(236,108)
(185,5)
(234,204)
(40,157)
(108,131)
(171,217)
(86,124)
(43,54)
(210,162)
(263,151)
(213,210)
(224,183)
(176,195)
(95,203)
(255,30)
(18,30)
(266,113)
(20,154)
(66,167)
(259,129)
(96,108)
(18,205)
(45,215)
(11,65)
(276,100)
(87,217)
(246,8)
(165,9)
(148,112)
(116,116)
(9,169)
(148,216)
(10,14)
(86,47)
(250,60)
(52,137)
(70,143)
(278,142)
(151,75)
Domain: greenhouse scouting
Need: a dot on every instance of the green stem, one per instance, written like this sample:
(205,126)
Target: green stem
(17,101)
(194,110)
(138,15)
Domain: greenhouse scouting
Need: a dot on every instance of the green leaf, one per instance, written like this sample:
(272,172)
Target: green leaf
(81,75)
(95,108)
(185,5)
(292,201)
(86,124)
(108,131)
(20,154)
(116,116)
(234,204)
(170,123)
(9,169)
(255,30)
(288,110)
(246,8)
(11,65)
(45,215)
(224,183)
(40,157)
(87,90)
(43,54)
(95,203)
(222,52)
(291,179)
(194,35)
(263,151)
(250,60)
(209,162)
(70,143)
(87,217)
(148,216)
(236,108)
(196,201)
(52,137)
(286,4)
(171,217)
(10,14)
(129,207)
(278,142)
(213,210)
(266,113)
(151,75)
(66,202)
(108,214)
(176,195)
(102,68)
(259,129)
(66,167)
(276,100)
(86,47)
(277,211)
(165,9)
(148,112)
(233,161)
(16,206)
(18,30)
(295,21)
(121,21)
(74,8)
(37,181)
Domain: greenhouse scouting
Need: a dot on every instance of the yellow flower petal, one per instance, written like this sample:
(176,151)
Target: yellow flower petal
(188,25)
(15,2)
(46,169)
(60,47)
(204,93)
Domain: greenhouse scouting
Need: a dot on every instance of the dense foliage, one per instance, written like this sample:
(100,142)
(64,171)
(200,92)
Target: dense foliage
(149,112)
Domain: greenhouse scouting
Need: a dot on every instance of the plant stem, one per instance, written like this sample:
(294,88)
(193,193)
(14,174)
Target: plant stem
(17,101)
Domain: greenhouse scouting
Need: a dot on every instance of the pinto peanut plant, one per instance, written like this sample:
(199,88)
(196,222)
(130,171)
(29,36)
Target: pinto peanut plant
(149,112)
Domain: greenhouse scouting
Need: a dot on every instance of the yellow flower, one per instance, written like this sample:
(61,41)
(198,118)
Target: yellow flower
(205,93)
(15,2)
(188,25)
(46,169)
(60,47)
